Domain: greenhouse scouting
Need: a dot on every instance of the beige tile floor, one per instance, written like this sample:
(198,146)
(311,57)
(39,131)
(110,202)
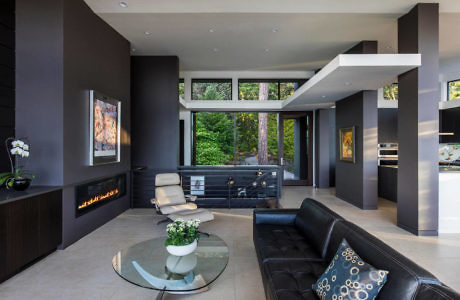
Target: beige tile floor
(84,271)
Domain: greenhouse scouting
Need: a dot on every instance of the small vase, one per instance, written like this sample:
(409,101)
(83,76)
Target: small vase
(21,184)
(182,250)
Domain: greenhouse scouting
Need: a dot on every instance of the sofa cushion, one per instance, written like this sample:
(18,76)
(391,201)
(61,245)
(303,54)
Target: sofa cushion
(350,277)
(405,276)
(315,221)
(293,279)
(436,292)
(283,242)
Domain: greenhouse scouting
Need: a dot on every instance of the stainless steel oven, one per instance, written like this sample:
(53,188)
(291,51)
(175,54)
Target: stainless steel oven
(388,154)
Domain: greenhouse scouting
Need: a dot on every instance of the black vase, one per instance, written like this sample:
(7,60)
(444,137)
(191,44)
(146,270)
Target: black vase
(21,184)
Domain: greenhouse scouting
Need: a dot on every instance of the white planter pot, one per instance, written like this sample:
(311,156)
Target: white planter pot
(182,250)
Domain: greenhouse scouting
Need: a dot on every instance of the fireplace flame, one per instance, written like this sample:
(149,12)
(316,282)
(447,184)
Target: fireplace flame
(98,198)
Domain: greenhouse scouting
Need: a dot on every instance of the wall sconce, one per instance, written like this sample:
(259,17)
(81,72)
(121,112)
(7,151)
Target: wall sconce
(254,184)
(264,184)
(259,173)
(230,181)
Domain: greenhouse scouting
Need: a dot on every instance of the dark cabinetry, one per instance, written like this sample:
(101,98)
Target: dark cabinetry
(449,122)
(388,125)
(29,229)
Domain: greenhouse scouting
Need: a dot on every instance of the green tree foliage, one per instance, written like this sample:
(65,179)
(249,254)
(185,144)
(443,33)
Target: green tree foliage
(250,91)
(211,91)
(214,138)
(390,92)
(454,90)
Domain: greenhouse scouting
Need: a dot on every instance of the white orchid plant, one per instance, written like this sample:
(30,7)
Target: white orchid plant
(181,233)
(18,151)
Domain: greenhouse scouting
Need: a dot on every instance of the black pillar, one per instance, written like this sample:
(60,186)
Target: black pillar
(418,122)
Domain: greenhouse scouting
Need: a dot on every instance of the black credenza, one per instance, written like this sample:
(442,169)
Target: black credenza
(30,228)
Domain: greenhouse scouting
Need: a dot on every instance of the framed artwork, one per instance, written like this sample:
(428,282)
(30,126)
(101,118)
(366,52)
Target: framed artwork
(347,144)
(197,185)
(105,120)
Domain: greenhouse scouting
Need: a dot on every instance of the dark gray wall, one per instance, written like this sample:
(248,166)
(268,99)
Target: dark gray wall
(418,122)
(39,86)
(364,47)
(155,112)
(356,182)
(388,125)
(323,147)
(332,147)
(7,65)
(53,95)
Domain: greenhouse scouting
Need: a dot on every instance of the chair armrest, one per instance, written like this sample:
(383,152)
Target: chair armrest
(191,197)
(270,216)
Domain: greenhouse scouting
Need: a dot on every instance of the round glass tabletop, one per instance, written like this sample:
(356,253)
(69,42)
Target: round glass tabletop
(148,264)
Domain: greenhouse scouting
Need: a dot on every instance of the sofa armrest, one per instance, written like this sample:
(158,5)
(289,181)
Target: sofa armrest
(270,216)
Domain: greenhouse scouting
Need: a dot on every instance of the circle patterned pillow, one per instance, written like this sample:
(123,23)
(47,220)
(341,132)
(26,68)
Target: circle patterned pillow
(348,277)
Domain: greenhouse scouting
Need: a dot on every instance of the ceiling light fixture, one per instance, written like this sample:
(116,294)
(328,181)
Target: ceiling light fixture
(215,49)
(266,49)
(147,33)
(134,50)
(275,30)
(323,96)
(123,4)
(212,30)
(347,83)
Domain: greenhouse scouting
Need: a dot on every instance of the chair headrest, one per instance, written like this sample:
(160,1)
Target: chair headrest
(167,179)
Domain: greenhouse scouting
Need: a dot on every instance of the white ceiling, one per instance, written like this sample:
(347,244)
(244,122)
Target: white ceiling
(310,32)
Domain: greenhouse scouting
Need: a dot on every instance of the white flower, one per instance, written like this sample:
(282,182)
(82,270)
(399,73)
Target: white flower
(25,154)
(25,147)
(16,151)
(17,143)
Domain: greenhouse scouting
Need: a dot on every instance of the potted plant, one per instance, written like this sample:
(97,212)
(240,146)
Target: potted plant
(182,237)
(18,179)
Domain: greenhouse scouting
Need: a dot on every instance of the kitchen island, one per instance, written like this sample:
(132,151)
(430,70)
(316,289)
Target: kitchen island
(449,199)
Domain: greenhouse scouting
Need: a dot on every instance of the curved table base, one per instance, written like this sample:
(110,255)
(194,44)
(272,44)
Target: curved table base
(161,293)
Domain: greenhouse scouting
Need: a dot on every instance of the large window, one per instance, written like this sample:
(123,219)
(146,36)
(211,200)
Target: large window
(453,89)
(390,92)
(211,89)
(269,89)
(243,138)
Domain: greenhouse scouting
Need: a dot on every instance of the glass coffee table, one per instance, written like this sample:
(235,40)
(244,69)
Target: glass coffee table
(149,265)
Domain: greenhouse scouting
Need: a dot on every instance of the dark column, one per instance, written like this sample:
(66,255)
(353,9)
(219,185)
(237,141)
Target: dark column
(322,143)
(418,122)
(356,182)
(155,112)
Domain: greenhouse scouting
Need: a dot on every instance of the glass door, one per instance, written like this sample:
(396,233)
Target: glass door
(295,151)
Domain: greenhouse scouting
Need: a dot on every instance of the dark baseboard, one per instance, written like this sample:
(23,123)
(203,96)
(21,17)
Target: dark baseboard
(418,232)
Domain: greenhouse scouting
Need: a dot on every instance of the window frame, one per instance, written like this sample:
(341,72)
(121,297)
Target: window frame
(300,82)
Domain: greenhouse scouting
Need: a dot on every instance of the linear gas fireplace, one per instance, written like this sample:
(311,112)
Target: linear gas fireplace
(94,194)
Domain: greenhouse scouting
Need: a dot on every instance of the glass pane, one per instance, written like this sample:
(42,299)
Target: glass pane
(390,92)
(250,90)
(181,89)
(252,129)
(454,90)
(214,138)
(291,172)
(287,89)
(212,90)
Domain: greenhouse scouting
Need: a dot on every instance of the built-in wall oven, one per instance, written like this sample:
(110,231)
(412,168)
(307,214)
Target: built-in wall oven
(388,154)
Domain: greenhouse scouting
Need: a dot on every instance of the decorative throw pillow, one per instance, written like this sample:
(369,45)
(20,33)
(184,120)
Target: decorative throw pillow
(349,277)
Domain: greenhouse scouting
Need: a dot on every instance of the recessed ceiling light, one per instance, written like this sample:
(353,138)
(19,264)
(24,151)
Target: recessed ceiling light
(215,49)
(212,30)
(333,106)
(274,30)
(134,49)
(323,96)
(123,4)
(347,83)
(388,47)
(147,33)
(266,49)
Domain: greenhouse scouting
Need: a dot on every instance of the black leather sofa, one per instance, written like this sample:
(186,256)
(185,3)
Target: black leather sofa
(295,246)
